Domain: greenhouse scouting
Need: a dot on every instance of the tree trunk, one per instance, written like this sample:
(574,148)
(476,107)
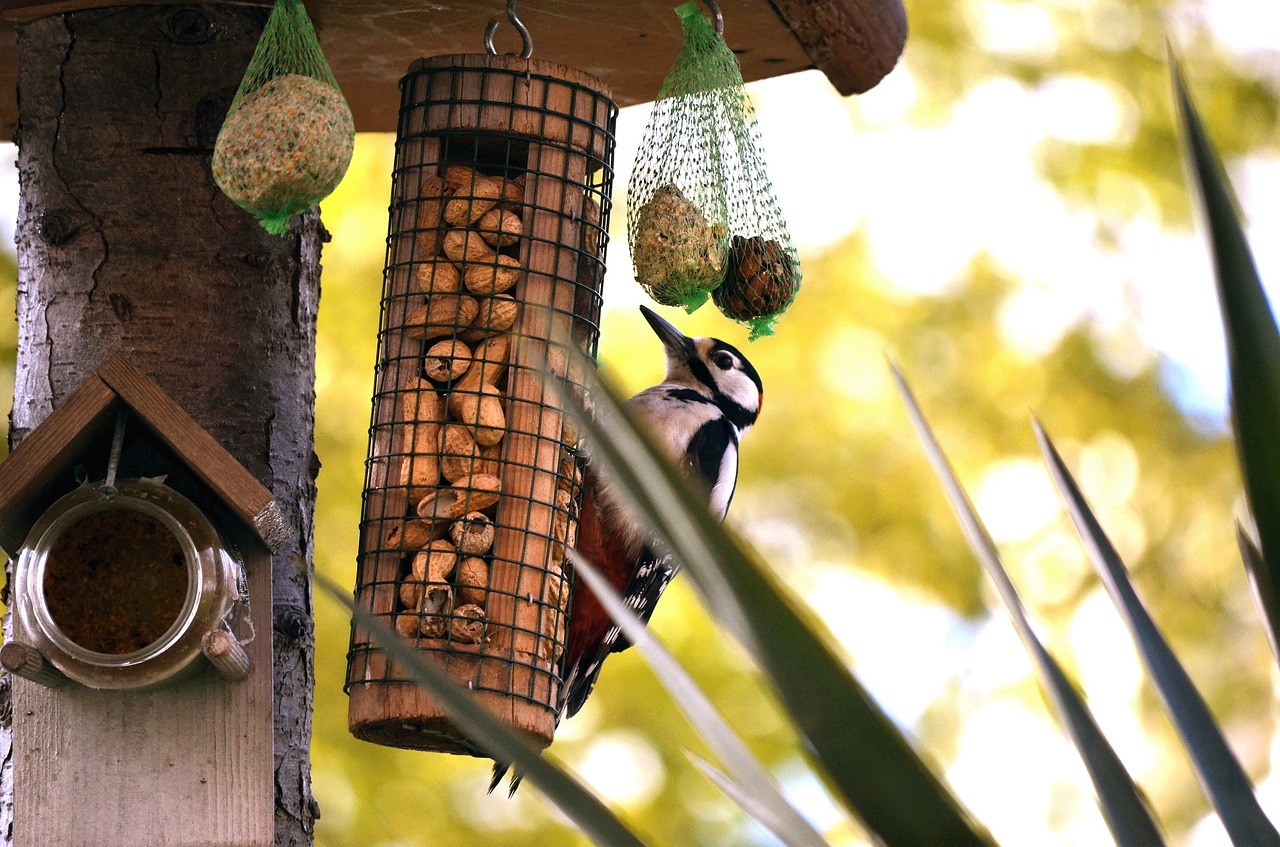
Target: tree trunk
(126,244)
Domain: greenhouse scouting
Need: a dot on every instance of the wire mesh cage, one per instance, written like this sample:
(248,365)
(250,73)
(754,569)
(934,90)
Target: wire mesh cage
(500,205)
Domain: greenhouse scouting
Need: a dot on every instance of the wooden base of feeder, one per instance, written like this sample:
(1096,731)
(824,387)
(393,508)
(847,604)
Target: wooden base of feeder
(400,714)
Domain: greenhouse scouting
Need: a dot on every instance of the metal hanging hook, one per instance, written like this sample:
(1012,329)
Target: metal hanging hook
(525,37)
(717,17)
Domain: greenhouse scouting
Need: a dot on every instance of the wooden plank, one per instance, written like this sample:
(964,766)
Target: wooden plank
(41,464)
(210,461)
(554,197)
(215,764)
(630,46)
(242,367)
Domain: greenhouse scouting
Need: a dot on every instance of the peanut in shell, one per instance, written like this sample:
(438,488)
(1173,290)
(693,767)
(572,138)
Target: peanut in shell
(473,581)
(410,535)
(470,203)
(459,453)
(440,316)
(465,245)
(479,407)
(407,625)
(496,314)
(486,279)
(467,624)
(436,562)
(475,492)
(447,360)
(437,277)
(461,177)
(499,227)
(488,361)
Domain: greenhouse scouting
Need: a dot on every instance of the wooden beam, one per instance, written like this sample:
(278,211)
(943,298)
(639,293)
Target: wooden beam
(235,486)
(37,473)
(628,45)
(855,42)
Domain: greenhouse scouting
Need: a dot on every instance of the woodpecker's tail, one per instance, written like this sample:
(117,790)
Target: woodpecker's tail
(499,771)
(500,768)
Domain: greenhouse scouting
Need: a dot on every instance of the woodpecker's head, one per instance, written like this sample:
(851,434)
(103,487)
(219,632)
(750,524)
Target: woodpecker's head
(714,369)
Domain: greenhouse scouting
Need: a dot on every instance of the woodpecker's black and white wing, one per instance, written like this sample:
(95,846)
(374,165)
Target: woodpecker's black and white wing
(712,457)
(642,595)
(648,581)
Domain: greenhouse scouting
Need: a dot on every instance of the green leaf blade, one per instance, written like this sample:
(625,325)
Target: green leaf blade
(864,755)
(1253,344)
(501,742)
(1268,603)
(1121,803)
(1220,773)
(767,804)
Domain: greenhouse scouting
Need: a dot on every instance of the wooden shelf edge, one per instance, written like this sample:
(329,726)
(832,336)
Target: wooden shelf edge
(855,43)
(25,11)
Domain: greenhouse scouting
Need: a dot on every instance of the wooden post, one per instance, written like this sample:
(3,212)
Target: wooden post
(126,244)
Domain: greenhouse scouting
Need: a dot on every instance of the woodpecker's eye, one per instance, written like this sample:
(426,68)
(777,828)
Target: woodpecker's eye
(722,360)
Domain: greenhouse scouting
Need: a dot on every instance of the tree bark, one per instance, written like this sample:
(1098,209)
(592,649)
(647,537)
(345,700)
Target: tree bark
(126,244)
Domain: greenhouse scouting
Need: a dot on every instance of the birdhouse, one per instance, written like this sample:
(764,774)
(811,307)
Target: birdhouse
(499,221)
(123,518)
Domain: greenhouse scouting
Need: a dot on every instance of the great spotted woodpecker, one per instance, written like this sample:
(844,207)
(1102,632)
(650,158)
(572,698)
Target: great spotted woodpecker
(697,415)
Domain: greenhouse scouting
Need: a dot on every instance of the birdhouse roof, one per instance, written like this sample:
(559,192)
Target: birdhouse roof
(35,472)
(627,45)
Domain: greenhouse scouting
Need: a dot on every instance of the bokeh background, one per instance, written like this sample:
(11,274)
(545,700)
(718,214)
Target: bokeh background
(1006,216)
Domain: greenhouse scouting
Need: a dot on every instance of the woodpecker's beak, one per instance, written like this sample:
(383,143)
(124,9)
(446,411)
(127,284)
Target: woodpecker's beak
(672,339)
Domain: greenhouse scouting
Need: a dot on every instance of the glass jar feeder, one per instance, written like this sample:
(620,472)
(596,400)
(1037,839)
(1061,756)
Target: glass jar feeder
(118,585)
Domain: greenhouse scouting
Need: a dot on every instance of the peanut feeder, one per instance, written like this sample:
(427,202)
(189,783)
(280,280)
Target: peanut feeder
(499,223)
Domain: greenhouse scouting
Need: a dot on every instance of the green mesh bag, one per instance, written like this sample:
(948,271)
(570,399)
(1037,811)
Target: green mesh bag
(288,136)
(702,218)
